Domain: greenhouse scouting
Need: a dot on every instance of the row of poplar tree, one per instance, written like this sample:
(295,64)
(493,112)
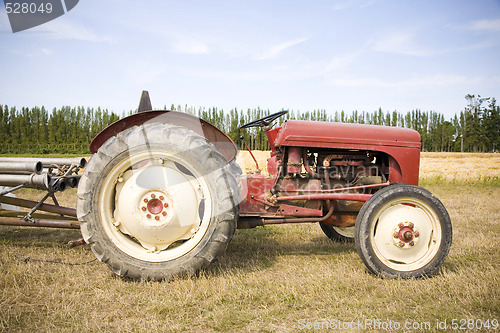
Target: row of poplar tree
(70,130)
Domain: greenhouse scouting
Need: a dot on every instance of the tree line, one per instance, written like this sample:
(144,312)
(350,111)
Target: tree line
(474,129)
(38,131)
(70,130)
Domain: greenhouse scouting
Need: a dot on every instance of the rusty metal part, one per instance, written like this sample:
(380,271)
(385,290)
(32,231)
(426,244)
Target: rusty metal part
(289,210)
(339,189)
(327,196)
(342,219)
(371,180)
(294,160)
(40,216)
(39,223)
(269,201)
(21,167)
(257,168)
(348,205)
(33,180)
(405,235)
(251,222)
(329,158)
(45,207)
(307,166)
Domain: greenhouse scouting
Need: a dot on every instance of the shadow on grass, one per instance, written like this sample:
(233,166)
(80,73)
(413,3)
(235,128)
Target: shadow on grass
(37,237)
(259,248)
(250,249)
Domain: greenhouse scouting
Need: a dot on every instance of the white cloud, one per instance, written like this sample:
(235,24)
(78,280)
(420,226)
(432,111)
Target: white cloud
(339,63)
(273,51)
(47,51)
(190,46)
(282,73)
(33,52)
(485,25)
(436,80)
(342,62)
(62,28)
(401,43)
(352,4)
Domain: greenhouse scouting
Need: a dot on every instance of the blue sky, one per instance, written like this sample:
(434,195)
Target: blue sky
(298,55)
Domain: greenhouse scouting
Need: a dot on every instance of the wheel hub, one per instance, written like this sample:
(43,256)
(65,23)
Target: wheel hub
(405,235)
(154,208)
(157,205)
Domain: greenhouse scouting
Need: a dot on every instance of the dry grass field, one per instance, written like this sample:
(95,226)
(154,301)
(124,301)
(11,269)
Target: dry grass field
(288,278)
(460,168)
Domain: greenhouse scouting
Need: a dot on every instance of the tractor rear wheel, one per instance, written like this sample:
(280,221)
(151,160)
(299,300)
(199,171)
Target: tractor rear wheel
(157,201)
(403,231)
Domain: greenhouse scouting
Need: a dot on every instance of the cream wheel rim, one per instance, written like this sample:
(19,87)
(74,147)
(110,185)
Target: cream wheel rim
(406,234)
(347,232)
(155,206)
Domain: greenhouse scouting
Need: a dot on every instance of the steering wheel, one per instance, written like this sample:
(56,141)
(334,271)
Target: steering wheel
(264,121)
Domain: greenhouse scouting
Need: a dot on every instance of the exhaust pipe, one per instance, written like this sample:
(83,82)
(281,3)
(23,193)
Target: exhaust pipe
(37,181)
(21,167)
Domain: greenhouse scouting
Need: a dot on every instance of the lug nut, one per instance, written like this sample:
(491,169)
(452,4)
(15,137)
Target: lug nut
(148,216)
(395,234)
(401,244)
(164,213)
(408,235)
(165,204)
(161,197)
(157,218)
(144,208)
(411,225)
(153,195)
(416,234)
(145,200)
(412,243)
(400,225)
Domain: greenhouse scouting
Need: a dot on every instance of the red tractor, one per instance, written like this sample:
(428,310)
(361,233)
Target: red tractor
(162,194)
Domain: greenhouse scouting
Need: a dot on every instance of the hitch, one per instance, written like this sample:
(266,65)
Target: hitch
(47,174)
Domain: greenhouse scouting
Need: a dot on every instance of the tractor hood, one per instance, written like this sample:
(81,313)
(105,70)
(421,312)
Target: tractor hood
(344,135)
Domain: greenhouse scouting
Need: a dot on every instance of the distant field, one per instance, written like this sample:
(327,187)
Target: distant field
(271,279)
(460,167)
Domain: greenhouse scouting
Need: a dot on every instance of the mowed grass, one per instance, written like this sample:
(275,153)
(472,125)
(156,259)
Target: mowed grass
(271,279)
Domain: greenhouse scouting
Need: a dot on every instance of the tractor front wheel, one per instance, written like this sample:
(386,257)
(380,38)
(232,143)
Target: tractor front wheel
(403,231)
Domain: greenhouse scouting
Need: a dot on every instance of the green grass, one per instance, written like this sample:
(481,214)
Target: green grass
(268,279)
